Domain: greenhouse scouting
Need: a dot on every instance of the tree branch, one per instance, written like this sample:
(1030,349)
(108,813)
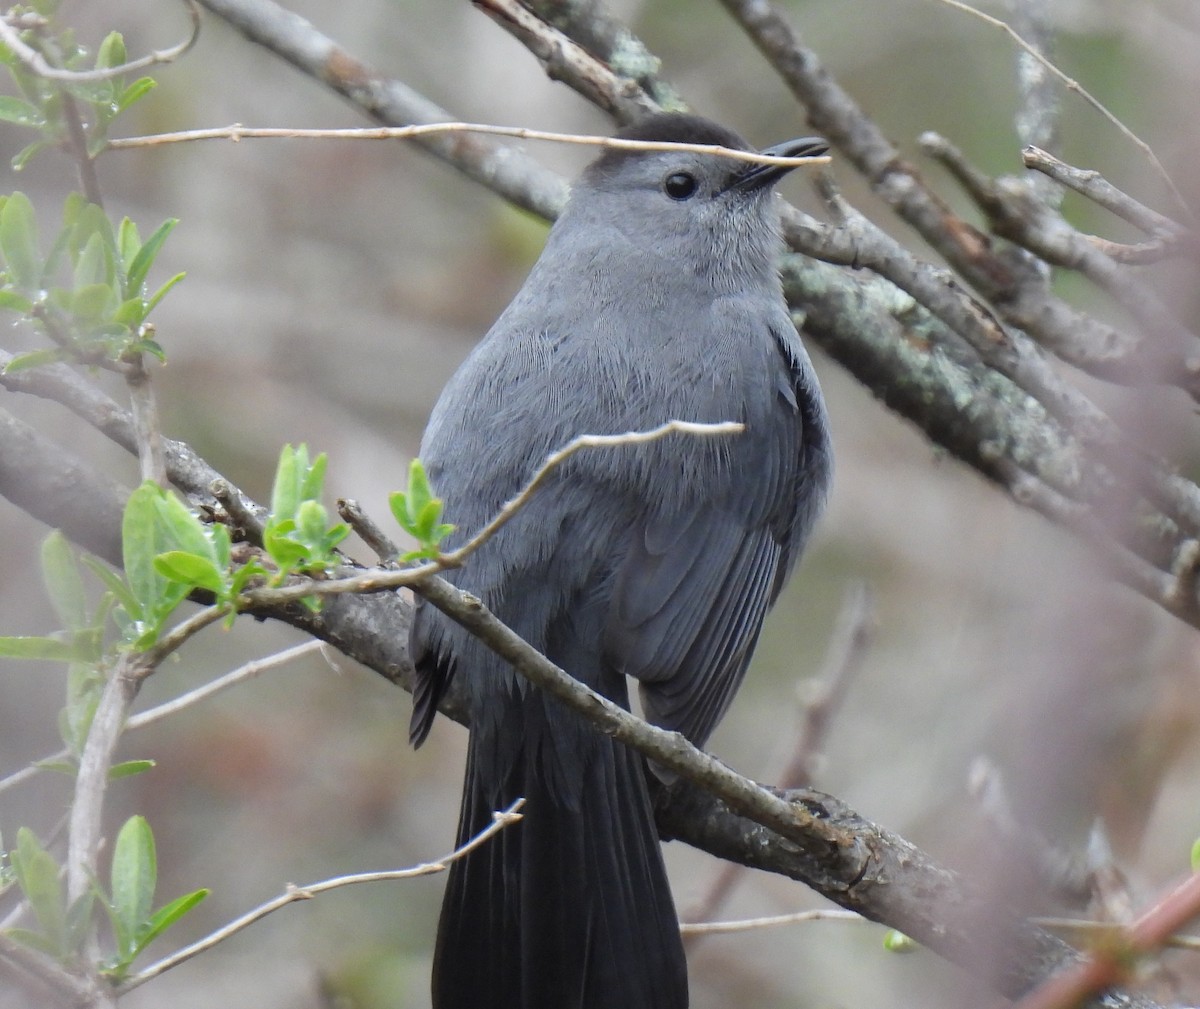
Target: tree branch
(817,839)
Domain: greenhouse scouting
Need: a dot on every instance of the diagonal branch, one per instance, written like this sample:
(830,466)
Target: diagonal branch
(819,840)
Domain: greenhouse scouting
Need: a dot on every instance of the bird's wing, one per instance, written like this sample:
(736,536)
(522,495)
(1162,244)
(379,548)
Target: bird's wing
(687,607)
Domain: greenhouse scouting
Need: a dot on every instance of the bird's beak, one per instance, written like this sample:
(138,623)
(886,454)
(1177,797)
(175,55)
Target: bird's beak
(760,176)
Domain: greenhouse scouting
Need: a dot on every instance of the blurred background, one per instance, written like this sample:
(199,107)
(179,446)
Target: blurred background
(333,287)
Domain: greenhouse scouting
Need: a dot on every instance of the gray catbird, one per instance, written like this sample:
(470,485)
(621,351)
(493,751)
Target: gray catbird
(657,297)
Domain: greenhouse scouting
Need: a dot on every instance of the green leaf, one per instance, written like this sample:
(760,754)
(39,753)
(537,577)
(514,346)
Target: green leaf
(37,876)
(128,768)
(19,241)
(151,347)
(131,312)
(94,302)
(311,521)
(133,879)
(111,52)
(58,766)
(419,513)
(95,265)
(155,522)
(35,940)
(15,302)
(221,545)
(242,576)
(158,295)
(14,110)
(398,503)
(419,491)
(427,520)
(190,569)
(60,573)
(23,156)
(167,915)
(285,552)
(137,90)
(73,207)
(313,478)
(90,222)
(898,942)
(45,649)
(140,265)
(141,544)
(183,529)
(116,585)
(128,242)
(285,495)
(35,359)
(79,919)
(1196,855)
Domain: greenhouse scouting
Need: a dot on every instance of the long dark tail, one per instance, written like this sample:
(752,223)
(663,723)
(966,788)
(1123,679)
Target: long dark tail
(570,908)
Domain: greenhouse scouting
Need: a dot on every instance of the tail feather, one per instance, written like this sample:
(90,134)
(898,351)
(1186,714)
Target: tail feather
(570,908)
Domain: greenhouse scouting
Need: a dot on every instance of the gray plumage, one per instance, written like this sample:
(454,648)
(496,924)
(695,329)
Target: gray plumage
(657,297)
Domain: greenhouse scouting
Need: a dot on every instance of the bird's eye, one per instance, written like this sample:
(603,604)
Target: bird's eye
(679,185)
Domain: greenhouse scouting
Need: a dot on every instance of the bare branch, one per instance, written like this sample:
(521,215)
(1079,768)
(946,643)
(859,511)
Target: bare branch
(500,820)
(848,643)
(849,859)
(1093,185)
(60,384)
(826,690)
(619,54)
(91,780)
(502,169)
(146,424)
(1075,86)
(10,36)
(245,672)
(39,973)
(238,133)
(374,537)
(1035,227)
(41,477)
(773,921)
(575,445)
(565,60)
(1110,963)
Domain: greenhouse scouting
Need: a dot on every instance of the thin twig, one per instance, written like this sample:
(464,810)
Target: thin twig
(843,659)
(563,58)
(237,132)
(1090,183)
(1096,933)
(1111,962)
(773,921)
(370,533)
(500,820)
(382,579)
(847,644)
(1081,930)
(576,445)
(1073,85)
(669,749)
(11,37)
(68,989)
(91,780)
(176,637)
(202,693)
(58,382)
(146,424)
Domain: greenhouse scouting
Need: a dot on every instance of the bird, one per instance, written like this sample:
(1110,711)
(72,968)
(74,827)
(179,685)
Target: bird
(657,297)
